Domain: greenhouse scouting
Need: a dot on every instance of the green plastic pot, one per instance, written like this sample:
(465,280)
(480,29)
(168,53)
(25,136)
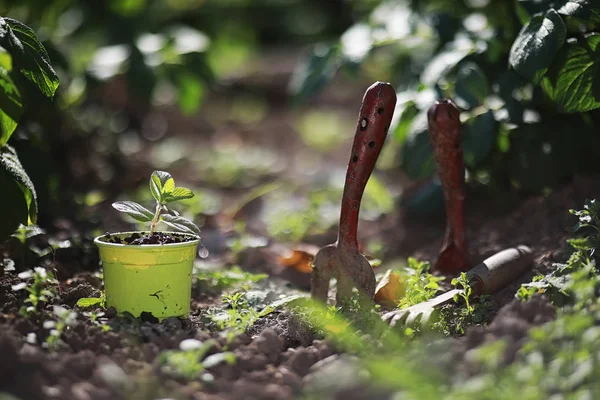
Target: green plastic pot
(153,278)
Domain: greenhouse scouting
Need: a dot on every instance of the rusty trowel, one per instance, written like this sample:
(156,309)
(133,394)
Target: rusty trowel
(491,275)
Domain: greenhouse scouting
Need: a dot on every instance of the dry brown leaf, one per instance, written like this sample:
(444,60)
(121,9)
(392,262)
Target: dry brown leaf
(390,289)
(300,260)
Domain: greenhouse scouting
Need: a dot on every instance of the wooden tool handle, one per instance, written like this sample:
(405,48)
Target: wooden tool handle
(497,271)
(373,124)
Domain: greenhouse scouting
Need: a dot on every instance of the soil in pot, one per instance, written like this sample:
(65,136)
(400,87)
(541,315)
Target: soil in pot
(149,238)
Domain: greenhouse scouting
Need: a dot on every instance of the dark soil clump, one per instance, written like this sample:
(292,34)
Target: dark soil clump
(150,238)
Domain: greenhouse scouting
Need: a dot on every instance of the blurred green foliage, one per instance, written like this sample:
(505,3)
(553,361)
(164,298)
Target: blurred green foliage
(525,74)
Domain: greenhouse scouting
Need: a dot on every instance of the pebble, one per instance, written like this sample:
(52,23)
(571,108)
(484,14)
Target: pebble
(334,373)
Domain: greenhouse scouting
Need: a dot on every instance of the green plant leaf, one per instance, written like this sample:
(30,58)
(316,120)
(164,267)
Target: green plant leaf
(11,106)
(86,302)
(17,194)
(29,55)
(191,90)
(446,60)
(588,10)
(537,44)
(471,85)
(158,182)
(572,80)
(478,138)
(318,70)
(179,193)
(180,223)
(134,210)
(416,153)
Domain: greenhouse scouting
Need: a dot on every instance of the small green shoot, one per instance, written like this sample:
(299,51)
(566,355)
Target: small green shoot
(420,284)
(239,316)
(64,319)
(87,302)
(41,291)
(455,318)
(164,191)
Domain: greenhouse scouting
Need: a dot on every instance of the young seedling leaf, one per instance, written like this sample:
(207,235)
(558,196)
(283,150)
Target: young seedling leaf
(572,80)
(29,55)
(179,193)
(86,302)
(537,44)
(134,210)
(159,184)
(180,223)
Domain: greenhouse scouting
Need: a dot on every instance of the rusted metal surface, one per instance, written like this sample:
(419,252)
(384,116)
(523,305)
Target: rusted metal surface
(443,119)
(343,259)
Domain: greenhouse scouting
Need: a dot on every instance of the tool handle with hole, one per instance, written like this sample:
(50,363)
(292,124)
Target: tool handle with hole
(373,124)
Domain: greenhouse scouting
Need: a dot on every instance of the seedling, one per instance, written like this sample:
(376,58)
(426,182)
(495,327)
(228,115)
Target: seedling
(41,291)
(64,319)
(164,191)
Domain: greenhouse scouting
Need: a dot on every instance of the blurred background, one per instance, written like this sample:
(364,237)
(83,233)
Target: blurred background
(253,103)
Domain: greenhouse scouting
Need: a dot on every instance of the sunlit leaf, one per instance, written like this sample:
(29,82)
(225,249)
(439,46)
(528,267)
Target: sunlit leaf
(537,44)
(11,106)
(134,210)
(572,80)
(158,180)
(390,289)
(180,223)
(86,302)
(178,193)
(29,55)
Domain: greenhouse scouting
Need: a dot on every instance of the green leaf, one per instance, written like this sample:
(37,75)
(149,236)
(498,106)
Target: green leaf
(312,75)
(572,80)
(471,85)
(86,302)
(406,117)
(191,92)
(537,44)
(416,153)
(587,10)
(180,223)
(158,181)
(29,55)
(179,193)
(11,106)
(446,60)
(582,243)
(478,138)
(134,210)
(17,194)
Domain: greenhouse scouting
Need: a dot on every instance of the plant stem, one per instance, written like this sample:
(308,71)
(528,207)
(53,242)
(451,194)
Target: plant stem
(156,217)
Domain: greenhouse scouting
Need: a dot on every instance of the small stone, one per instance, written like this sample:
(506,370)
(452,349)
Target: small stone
(110,312)
(172,323)
(334,373)
(190,344)
(301,360)
(111,374)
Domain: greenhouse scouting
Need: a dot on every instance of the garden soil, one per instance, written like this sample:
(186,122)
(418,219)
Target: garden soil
(273,360)
(276,358)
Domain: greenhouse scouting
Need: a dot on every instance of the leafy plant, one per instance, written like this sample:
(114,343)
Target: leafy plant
(455,318)
(24,63)
(41,291)
(420,284)
(524,74)
(164,191)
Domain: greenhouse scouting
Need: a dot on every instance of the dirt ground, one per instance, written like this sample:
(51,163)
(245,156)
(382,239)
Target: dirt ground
(274,360)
